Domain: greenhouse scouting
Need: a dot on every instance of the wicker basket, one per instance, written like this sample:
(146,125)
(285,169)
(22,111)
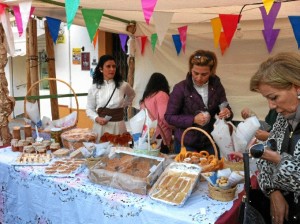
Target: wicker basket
(219,194)
(46,134)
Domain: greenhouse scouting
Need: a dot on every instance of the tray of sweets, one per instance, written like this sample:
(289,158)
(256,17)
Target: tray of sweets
(33,159)
(64,168)
(176,183)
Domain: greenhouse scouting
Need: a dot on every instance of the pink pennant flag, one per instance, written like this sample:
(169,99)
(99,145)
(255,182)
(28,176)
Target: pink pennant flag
(123,39)
(18,17)
(148,8)
(182,32)
(144,41)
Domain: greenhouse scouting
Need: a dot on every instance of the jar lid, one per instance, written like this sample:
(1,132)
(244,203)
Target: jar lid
(55,129)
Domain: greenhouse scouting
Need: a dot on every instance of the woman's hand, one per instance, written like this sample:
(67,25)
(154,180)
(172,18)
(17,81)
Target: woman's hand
(246,112)
(262,135)
(202,118)
(279,208)
(224,113)
(101,121)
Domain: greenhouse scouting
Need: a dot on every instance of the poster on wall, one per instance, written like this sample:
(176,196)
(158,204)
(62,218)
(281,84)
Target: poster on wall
(76,56)
(85,61)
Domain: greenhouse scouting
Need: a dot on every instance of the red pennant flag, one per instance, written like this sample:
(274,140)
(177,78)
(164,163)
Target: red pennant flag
(144,41)
(2,7)
(229,24)
(223,42)
(182,32)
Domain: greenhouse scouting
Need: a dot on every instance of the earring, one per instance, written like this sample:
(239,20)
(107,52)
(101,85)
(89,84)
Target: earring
(298,96)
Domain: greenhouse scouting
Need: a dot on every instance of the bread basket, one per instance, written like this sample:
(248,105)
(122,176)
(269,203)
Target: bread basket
(220,194)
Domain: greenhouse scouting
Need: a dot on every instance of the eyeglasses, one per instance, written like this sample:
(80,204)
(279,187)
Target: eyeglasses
(257,150)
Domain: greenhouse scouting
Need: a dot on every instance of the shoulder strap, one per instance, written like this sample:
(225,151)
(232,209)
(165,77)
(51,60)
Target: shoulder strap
(109,98)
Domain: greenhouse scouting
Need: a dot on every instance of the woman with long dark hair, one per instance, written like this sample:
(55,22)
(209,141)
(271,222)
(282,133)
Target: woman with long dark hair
(107,98)
(155,100)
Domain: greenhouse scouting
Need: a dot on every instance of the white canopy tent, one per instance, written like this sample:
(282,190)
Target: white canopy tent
(236,66)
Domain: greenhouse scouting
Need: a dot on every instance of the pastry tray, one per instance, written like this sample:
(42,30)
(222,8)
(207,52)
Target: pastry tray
(32,159)
(64,168)
(175,184)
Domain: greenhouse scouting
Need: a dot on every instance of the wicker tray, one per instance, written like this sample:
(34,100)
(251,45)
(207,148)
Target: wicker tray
(219,194)
(46,134)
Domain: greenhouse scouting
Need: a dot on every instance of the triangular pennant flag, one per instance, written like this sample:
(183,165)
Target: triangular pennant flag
(71,7)
(177,42)
(217,28)
(223,42)
(26,11)
(144,41)
(270,38)
(229,24)
(123,39)
(153,41)
(95,38)
(18,18)
(295,22)
(268,5)
(182,32)
(162,22)
(92,18)
(148,8)
(5,20)
(269,19)
(53,25)
(2,7)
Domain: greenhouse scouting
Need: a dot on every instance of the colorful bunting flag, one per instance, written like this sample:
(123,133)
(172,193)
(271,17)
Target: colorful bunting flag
(92,18)
(268,5)
(182,32)
(270,37)
(26,11)
(148,8)
(2,7)
(177,42)
(229,24)
(53,25)
(123,39)
(269,19)
(71,7)
(162,22)
(153,41)
(18,18)
(144,41)
(217,28)
(5,20)
(295,22)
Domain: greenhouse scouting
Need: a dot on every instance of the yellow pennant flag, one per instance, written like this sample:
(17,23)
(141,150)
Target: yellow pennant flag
(217,28)
(268,5)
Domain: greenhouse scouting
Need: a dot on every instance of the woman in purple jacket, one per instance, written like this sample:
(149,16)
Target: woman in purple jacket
(195,101)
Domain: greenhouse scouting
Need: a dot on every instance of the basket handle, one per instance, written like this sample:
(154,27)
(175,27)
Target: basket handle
(205,133)
(53,79)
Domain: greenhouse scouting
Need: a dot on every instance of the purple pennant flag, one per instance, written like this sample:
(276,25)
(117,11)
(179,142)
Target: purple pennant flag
(295,22)
(53,25)
(177,42)
(269,19)
(270,38)
(123,38)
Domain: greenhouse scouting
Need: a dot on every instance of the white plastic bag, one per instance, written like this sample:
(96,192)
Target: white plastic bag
(136,124)
(33,112)
(222,137)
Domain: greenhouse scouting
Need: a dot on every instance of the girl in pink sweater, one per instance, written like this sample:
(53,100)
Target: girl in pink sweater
(155,100)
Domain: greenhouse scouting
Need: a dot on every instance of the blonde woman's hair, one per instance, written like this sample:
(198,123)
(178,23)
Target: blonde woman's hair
(281,71)
(204,58)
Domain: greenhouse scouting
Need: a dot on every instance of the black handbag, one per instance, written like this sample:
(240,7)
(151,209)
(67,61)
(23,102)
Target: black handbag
(255,207)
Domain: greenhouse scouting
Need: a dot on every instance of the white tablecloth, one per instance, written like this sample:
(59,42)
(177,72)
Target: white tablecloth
(28,197)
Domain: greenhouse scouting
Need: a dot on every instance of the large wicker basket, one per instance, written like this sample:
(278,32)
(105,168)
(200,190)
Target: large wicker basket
(46,134)
(220,194)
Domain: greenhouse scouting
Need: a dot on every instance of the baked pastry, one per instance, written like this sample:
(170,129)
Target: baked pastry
(74,138)
(61,152)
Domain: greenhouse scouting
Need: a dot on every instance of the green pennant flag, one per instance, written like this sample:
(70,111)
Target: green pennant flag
(153,41)
(92,18)
(71,7)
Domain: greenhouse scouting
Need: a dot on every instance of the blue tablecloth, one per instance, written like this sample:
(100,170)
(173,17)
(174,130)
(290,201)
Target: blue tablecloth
(28,197)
